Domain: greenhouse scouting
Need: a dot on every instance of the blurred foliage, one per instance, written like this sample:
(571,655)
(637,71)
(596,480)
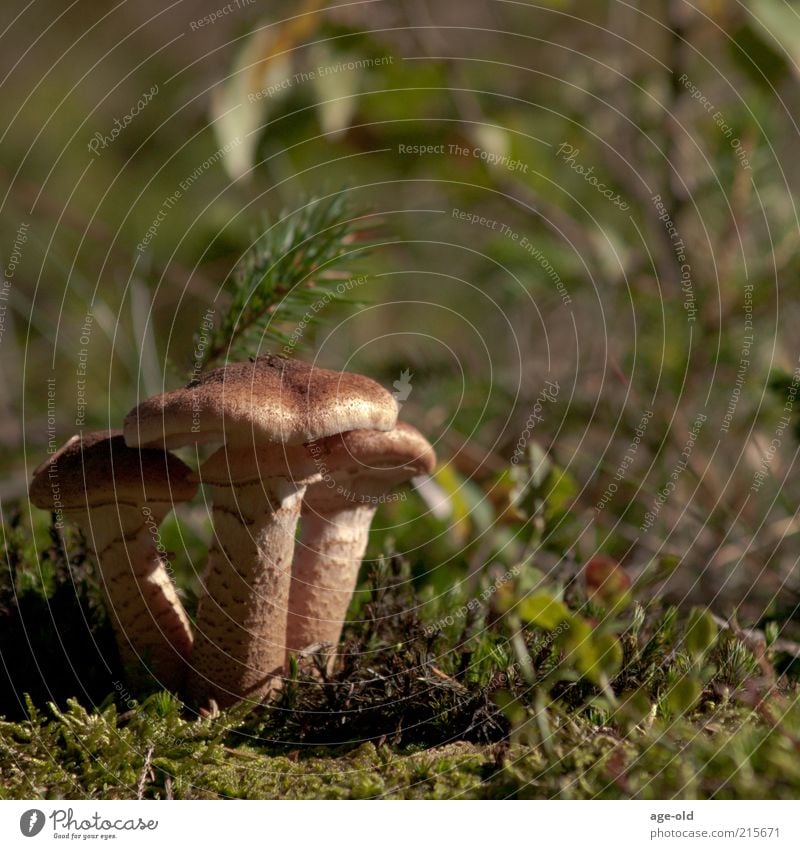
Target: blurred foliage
(526,165)
(286,278)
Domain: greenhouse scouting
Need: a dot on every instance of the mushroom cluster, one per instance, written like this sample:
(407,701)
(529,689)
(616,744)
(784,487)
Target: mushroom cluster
(298,446)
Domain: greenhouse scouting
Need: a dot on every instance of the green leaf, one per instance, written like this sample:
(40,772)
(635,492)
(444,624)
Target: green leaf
(543,610)
(780,22)
(607,660)
(758,56)
(701,632)
(772,631)
(539,464)
(510,706)
(683,694)
(576,640)
(636,707)
(561,495)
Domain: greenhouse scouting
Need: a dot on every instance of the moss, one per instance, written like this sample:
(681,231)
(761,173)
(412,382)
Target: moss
(78,754)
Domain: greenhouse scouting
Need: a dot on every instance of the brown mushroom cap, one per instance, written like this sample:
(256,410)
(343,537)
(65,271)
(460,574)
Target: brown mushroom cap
(393,456)
(271,399)
(99,468)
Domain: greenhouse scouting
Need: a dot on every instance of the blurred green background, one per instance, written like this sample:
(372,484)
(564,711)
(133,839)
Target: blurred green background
(596,194)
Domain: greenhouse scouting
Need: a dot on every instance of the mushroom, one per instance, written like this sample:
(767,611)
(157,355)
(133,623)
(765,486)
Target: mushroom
(263,411)
(358,469)
(119,496)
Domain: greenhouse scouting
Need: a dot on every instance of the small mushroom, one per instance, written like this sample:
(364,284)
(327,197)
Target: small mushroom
(263,411)
(119,496)
(358,469)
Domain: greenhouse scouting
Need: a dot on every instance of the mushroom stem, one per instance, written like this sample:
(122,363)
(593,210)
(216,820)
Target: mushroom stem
(240,633)
(325,572)
(356,470)
(148,619)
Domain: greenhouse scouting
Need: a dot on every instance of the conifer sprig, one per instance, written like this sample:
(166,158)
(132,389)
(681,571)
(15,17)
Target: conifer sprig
(289,277)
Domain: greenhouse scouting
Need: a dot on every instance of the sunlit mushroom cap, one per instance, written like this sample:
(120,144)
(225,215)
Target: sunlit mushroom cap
(393,456)
(99,468)
(270,399)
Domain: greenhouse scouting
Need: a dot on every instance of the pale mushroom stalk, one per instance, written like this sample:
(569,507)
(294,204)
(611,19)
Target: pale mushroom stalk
(241,619)
(325,572)
(358,468)
(119,496)
(148,618)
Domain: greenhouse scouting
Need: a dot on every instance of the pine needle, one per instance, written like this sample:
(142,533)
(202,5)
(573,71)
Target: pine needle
(289,278)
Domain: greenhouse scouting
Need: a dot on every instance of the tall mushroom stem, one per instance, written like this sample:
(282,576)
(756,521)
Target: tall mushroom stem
(356,470)
(240,633)
(325,572)
(149,622)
